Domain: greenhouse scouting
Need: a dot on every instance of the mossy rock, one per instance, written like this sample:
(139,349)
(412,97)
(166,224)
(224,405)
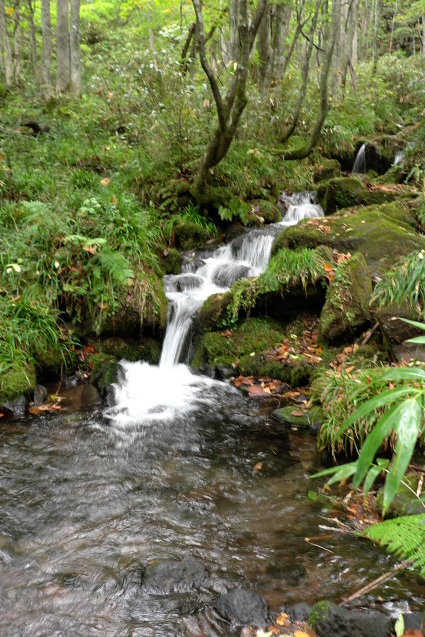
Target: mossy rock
(405,502)
(327,169)
(49,362)
(268,211)
(17,381)
(379,237)
(148,350)
(346,310)
(213,311)
(330,620)
(190,235)
(104,372)
(345,192)
(171,261)
(310,421)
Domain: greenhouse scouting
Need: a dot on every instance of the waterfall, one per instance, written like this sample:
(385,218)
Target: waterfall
(359,165)
(399,156)
(165,391)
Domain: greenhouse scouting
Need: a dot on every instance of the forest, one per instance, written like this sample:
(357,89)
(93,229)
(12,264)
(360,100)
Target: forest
(199,197)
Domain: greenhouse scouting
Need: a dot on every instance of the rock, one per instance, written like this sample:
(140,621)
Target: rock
(190,235)
(105,369)
(345,192)
(243,608)
(414,621)
(147,349)
(405,501)
(299,612)
(346,311)
(171,261)
(330,620)
(396,332)
(171,576)
(265,210)
(16,408)
(327,169)
(40,395)
(16,385)
(374,231)
(311,420)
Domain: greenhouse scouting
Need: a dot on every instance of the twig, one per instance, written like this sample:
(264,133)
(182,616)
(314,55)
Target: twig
(335,530)
(369,334)
(420,485)
(318,546)
(376,582)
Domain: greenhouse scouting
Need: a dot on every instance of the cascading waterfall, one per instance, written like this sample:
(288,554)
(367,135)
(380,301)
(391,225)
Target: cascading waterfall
(205,273)
(359,165)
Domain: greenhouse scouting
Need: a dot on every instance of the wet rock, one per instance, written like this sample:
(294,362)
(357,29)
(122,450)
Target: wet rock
(16,408)
(243,608)
(40,395)
(330,620)
(310,420)
(173,576)
(414,621)
(299,612)
(396,332)
(346,311)
(105,370)
(405,501)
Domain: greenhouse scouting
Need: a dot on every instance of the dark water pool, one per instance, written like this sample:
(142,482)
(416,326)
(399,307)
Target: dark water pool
(85,503)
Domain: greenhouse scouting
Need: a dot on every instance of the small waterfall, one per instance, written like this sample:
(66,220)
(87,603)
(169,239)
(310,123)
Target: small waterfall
(359,165)
(163,392)
(399,156)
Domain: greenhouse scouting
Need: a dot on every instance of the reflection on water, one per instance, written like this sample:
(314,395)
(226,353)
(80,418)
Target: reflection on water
(86,501)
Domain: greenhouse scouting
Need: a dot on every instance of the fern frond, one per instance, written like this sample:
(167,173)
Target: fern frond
(404,537)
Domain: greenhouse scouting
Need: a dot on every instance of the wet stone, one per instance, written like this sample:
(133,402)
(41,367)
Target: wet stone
(173,576)
(330,620)
(299,612)
(243,608)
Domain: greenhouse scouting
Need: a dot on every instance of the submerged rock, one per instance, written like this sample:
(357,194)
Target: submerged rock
(173,576)
(309,420)
(243,608)
(299,612)
(330,620)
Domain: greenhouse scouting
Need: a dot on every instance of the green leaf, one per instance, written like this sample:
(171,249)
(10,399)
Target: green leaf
(372,474)
(417,339)
(384,399)
(347,469)
(407,428)
(382,429)
(412,373)
(421,326)
(399,626)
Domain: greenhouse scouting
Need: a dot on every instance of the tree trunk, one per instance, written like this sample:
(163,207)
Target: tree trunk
(16,44)
(233,30)
(63,78)
(324,89)
(230,108)
(34,60)
(282,19)
(375,35)
(75,49)
(4,39)
(305,72)
(46,50)
(263,49)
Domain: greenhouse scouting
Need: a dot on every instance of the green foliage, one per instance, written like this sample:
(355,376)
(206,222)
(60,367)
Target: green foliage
(404,537)
(404,284)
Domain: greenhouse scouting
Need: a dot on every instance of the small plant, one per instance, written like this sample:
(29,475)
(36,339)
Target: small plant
(405,283)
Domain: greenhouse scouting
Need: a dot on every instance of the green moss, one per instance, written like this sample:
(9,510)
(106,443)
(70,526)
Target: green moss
(213,311)
(15,382)
(267,210)
(380,239)
(104,371)
(344,192)
(346,310)
(310,420)
(190,235)
(148,350)
(326,169)
(172,262)
(319,612)
(49,361)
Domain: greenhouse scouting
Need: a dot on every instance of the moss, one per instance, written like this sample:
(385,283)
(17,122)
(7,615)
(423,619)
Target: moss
(310,420)
(319,612)
(213,311)
(344,192)
(267,210)
(104,371)
(149,350)
(381,239)
(172,262)
(190,235)
(326,169)
(346,310)
(49,361)
(15,382)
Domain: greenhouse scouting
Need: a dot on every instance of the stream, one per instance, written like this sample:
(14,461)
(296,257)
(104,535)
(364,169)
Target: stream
(89,496)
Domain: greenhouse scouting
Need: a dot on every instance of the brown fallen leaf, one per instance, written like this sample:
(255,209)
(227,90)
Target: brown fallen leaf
(257,467)
(297,412)
(105,181)
(34,410)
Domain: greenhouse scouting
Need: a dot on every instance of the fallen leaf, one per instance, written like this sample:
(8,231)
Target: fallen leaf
(297,413)
(300,633)
(105,181)
(281,619)
(257,467)
(226,334)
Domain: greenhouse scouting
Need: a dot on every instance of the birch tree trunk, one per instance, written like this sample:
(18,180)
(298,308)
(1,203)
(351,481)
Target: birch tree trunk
(4,40)
(75,49)
(233,30)
(34,59)
(63,78)
(46,50)
(16,43)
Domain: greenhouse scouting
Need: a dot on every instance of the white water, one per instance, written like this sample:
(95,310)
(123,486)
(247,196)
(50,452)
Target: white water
(150,393)
(359,165)
(399,156)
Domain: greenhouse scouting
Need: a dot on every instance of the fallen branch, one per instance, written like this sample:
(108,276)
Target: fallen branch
(380,580)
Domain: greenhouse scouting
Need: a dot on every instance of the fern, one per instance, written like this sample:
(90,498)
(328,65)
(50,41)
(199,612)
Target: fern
(404,537)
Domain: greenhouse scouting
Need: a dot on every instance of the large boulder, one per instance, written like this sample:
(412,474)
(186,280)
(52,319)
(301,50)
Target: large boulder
(16,385)
(330,620)
(344,192)
(243,608)
(346,311)
(326,169)
(378,232)
(396,332)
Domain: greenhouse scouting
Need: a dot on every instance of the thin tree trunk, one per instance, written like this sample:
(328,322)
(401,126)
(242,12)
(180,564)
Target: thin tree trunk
(263,49)
(46,49)
(63,78)
(34,59)
(375,35)
(233,30)
(305,72)
(4,39)
(75,49)
(16,44)
(283,16)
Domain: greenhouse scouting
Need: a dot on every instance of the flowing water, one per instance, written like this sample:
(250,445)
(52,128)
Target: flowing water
(89,497)
(359,165)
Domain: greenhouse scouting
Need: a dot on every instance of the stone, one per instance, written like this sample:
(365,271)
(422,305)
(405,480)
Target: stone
(346,311)
(345,192)
(16,385)
(173,576)
(326,169)
(243,608)
(40,395)
(16,408)
(414,621)
(330,620)
(299,612)
(310,421)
